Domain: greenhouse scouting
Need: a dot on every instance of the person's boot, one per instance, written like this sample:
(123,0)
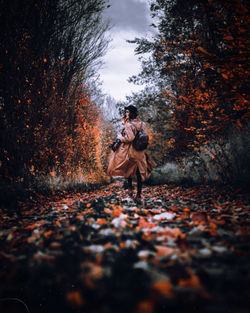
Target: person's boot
(130,192)
(138,199)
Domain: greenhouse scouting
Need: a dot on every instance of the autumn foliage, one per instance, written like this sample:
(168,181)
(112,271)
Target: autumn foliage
(50,129)
(212,94)
(199,69)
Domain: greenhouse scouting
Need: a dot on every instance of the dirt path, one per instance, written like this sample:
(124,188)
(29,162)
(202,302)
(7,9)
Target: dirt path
(183,250)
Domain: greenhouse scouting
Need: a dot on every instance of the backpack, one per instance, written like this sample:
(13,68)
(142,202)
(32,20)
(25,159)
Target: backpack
(141,139)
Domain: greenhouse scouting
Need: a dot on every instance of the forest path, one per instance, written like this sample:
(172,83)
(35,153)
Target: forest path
(185,249)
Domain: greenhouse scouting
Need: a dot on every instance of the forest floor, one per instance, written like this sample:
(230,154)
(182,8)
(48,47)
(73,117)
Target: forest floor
(185,249)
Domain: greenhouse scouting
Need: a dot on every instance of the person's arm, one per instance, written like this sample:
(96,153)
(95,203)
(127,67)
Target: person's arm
(128,134)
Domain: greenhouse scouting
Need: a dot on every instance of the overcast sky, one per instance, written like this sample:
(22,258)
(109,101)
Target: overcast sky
(130,19)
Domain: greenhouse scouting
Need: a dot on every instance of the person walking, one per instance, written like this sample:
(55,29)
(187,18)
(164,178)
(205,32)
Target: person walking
(126,160)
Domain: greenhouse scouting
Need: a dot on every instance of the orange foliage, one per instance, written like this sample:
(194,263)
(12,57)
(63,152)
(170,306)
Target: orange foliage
(61,133)
(204,105)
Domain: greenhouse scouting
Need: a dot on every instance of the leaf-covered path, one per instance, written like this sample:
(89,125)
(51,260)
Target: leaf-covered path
(183,250)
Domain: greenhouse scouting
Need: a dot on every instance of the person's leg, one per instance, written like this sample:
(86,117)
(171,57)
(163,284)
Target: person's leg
(130,187)
(139,184)
(130,183)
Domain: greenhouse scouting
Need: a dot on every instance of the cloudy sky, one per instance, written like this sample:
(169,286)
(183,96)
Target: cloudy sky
(130,19)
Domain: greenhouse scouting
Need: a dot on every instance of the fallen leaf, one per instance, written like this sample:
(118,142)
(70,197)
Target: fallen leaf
(145,306)
(163,288)
(75,298)
(164,216)
(164,251)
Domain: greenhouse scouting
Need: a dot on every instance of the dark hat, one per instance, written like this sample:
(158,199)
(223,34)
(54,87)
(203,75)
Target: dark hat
(132,109)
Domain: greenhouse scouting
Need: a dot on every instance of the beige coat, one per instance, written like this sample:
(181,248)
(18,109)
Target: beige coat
(125,160)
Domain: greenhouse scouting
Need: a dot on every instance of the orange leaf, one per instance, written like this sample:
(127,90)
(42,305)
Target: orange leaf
(204,51)
(75,298)
(186,209)
(101,221)
(178,233)
(199,217)
(122,244)
(239,123)
(47,233)
(163,287)
(107,210)
(117,212)
(193,281)
(107,245)
(228,38)
(212,225)
(143,223)
(32,226)
(55,245)
(31,239)
(164,251)
(145,306)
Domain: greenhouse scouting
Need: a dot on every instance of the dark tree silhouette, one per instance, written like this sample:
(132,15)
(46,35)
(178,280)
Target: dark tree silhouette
(198,66)
(49,49)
